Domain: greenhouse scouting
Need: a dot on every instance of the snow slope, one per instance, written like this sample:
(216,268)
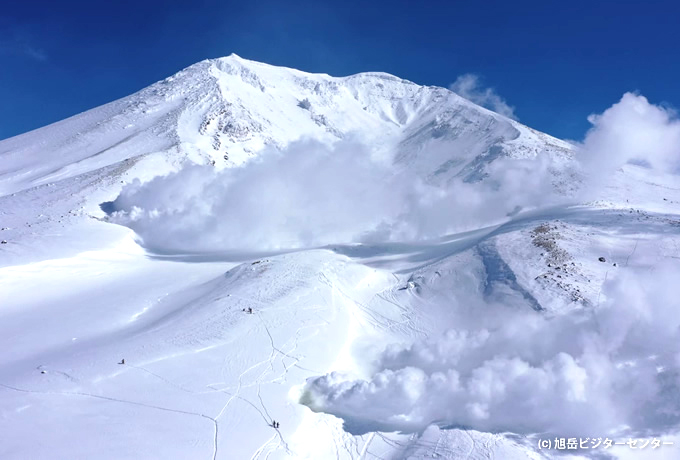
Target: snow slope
(202,377)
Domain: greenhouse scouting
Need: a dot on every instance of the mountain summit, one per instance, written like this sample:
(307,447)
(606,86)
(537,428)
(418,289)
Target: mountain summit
(225,111)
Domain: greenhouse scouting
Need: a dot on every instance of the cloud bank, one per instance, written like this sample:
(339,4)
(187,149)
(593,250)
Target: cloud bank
(632,130)
(470,87)
(311,195)
(613,370)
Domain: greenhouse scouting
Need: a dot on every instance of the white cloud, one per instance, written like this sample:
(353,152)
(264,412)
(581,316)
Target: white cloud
(469,87)
(632,130)
(610,371)
(311,195)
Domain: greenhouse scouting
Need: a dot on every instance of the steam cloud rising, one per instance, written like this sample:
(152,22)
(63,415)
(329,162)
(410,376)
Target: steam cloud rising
(632,130)
(469,87)
(311,195)
(612,370)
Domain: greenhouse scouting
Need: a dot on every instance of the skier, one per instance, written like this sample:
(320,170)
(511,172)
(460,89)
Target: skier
(122,361)
(250,310)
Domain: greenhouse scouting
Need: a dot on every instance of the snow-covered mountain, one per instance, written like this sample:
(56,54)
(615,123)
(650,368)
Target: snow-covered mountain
(227,110)
(433,290)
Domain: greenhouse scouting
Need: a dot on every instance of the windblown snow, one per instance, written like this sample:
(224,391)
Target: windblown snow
(385,270)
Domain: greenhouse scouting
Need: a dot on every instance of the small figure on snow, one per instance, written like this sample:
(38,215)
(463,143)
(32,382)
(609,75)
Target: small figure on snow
(122,361)
(275,424)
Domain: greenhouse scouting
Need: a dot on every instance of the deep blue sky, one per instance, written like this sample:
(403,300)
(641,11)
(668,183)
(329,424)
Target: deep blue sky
(556,62)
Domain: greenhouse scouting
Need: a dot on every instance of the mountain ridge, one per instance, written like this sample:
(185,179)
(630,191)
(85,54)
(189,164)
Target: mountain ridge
(226,110)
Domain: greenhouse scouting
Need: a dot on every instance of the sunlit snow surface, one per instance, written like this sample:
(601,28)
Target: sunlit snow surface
(463,324)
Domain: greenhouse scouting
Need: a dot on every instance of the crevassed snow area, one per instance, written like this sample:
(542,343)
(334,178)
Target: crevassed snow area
(385,270)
